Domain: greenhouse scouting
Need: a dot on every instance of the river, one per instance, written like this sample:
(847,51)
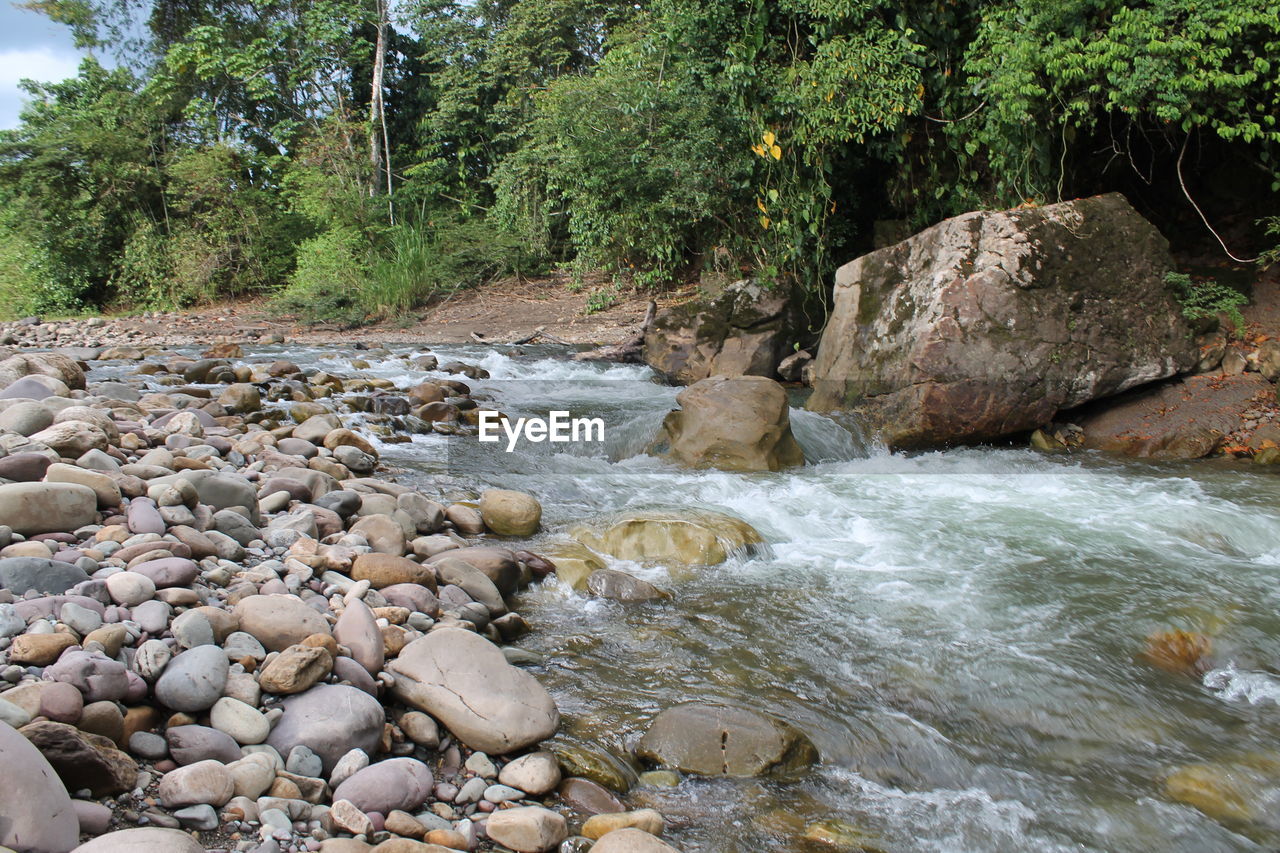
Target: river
(960,633)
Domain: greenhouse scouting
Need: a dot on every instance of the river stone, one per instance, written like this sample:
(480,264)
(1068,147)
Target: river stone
(51,577)
(220,490)
(509,513)
(413,597)
(398,783)
(721,740)
(193,744)
(330,720)
(144,517)
(536,773)
(59,366)
(39,649)
(357,629)
(30,508)
(279,621)
(241,398)
(645,820)
(464,681)
(72,438)
(732,423)
(620,586)
(203,782)
(142,840)
(1224,793)
(193,680)
(169,571)
(631,840)
(25,418)
(24,467)
(990,323)
(383,570)
(94,674)
(239,720)
(295,669)
(36,815)
(690,537)
(467,577)
(498,564)
(527,829)
(104,487)
(35,388)
(81,759)
(383,533)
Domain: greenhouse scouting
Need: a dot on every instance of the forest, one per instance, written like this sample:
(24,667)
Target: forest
(355,158)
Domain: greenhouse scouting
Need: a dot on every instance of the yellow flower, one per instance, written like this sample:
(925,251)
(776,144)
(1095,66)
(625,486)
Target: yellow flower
(758,149)
(769,138)
(776,152)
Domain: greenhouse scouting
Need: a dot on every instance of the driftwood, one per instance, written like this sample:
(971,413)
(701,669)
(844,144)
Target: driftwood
(630,350)
(540,332)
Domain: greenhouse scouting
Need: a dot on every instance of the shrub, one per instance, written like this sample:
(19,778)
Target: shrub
(1208,298)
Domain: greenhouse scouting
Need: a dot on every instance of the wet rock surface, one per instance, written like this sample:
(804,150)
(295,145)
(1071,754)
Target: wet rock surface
(226,626)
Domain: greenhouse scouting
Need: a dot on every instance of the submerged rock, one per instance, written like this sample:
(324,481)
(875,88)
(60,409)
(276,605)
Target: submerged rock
(689,537)
(720,740)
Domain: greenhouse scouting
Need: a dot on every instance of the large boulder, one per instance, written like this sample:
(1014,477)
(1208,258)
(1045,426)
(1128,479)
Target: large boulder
(734,424)
(465,682)
(35,815)
(689,537)
(721,740)
(988,324)
(745,330)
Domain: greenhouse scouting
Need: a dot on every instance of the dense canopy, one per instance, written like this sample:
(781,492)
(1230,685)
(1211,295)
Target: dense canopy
(358,157)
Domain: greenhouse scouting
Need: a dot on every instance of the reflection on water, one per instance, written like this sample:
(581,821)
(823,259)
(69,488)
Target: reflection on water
(959,633)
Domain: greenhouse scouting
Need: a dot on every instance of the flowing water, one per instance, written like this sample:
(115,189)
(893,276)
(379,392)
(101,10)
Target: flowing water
(959,633)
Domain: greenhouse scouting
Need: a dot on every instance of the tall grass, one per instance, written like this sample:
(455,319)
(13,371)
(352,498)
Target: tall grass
(426,261)
(341,278)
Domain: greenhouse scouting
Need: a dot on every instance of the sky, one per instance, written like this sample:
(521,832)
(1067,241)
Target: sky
(31,46)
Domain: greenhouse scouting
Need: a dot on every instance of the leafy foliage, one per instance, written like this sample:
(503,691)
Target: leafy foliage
(1208,298)
(239,148)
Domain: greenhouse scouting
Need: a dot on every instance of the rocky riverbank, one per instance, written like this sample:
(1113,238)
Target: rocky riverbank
(223,624)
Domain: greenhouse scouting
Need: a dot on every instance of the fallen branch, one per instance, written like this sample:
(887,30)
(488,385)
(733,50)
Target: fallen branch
(631,350)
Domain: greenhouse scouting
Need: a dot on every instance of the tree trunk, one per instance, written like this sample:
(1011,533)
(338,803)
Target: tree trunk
(380,149)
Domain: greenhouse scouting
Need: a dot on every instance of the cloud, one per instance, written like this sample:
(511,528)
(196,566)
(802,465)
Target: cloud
(45,64)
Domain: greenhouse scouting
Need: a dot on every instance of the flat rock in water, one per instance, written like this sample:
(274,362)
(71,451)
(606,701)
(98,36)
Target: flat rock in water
(631,841)
(721,740)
